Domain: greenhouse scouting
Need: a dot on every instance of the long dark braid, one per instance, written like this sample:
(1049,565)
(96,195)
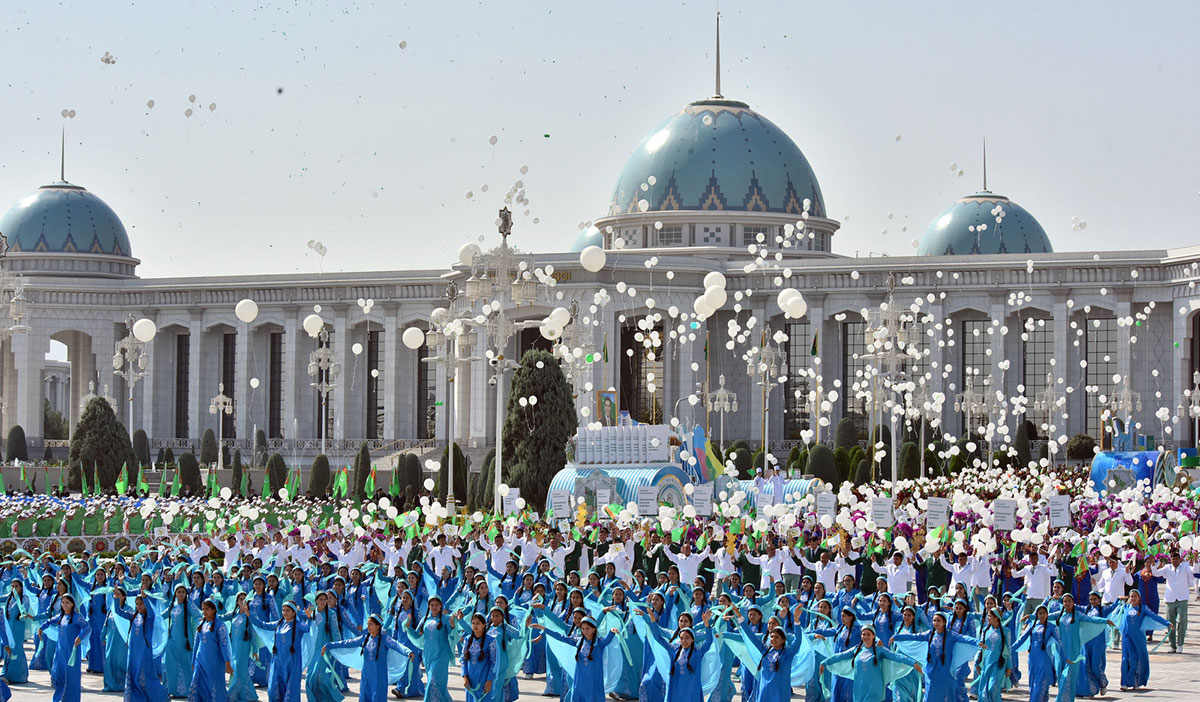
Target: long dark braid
(687,662)
(945,643)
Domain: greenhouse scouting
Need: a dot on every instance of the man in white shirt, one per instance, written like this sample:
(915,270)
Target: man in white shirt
(1038,578)
(687,562)
(501,552)
(961,570)
(981,578)
(1112,580)
(771,564)
(558,552)
(825,571)
(1179,580)
(900,574)
(442,556)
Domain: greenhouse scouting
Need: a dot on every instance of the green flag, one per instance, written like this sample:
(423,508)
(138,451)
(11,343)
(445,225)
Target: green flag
(266,491)
(341,486)
(122,480)
(214,485)
(143,485)
(369,489)
(175,486)
(24,477)
(83,478)
(242,487)
(60,478)
(1187,527)
(1079,548)
(394,487)
(162,483)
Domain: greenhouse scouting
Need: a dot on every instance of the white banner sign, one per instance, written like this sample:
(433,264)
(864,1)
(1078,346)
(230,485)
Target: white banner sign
(938,514)
(603,499)
(1006,514)
(560,502)
(826,504)
(510,500)
(764,500)
(882,512)
(647,500)
(702,499)
(1060,511)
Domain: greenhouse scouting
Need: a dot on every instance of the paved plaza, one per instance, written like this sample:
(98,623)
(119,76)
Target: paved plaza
(1172,677)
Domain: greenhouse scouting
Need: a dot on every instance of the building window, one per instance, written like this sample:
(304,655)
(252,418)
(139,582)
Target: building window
(710,235)
(228,377)
(374,418)
(974,344)
(182,372)
(275,391)
(798,351)
(750,235)
(1038,352)
(670,235)
(1101,340)
(639,364)
(854,363)
(426,396)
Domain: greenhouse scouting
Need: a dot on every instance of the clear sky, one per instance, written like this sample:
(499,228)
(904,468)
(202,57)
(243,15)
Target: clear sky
(327,128)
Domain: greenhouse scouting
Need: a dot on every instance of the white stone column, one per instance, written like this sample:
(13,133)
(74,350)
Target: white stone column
(1066,363)
(339,399)
(144,390)
(28,397)
(1001,379)
(197,403)
(1124,348)
(243,410)
(816,324)
(388,376)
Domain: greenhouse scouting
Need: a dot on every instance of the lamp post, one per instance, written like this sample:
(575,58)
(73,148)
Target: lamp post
(766,366)
(1189,406)
(131,358)
(1047,402)
(891,339)
(722,401)
(324,369)
(222,404)
(977,406)
(1123,404)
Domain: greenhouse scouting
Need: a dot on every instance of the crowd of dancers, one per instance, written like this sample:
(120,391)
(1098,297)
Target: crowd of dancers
(624,613)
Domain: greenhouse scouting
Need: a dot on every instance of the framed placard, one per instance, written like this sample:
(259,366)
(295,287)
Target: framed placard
(702,499)
(938,512)
(882,512)
(1005,512)
(1060,511)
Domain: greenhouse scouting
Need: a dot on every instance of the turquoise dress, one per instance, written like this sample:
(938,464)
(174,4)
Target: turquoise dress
(1044,645)
(210,653)
(685,683)
(994,664)
(1073,627)
(1135,659)
(116,653)
(287,657)
(19,616)
(263,607)
(478,662)
(320,684)
(434,642)
(870,681)
(1092,671)
(939,670)
(373,687)
(64,669)
(588,684)
(177,659)
(773,679)
(906,688)
(141,667)
(241,643)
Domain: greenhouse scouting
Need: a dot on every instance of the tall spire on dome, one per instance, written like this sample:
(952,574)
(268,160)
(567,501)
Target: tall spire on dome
(718,94)
(985,165)
(62,156)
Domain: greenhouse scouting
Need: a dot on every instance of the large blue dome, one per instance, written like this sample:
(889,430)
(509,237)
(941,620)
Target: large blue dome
(984,223)
(718,154)
(64,218)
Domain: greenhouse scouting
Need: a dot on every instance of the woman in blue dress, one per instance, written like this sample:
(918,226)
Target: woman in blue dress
(869,679)
(410,685)
(115,648)
(508,640)
(287,652)
(323,627)
(815,690)
(19,610)
(685,681)
(753,627)
(181,628)
(535,662)
(373,687)
(433,638)
(1092,680)
(773,678)
(905,689)
(241,643)
(588,684)
(73,633)
(479,661)
(97,612)
(845,637)
(212,657)
(1071,630)
(49,606)
(994,660)
(1135,660)
(262,606)
(141,670)
(1043,671)
(940,683)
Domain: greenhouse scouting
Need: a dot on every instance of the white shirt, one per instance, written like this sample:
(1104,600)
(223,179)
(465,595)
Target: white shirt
(844,567)
(500,556)
(772,566)
(558,556)
(1112,583)
(826,573)
(959,573)
(723,562)
(442,557)
(689,566)
(621,556)
(1178,580)
(530,552)
(981,574)
(1037,580)
(899,577)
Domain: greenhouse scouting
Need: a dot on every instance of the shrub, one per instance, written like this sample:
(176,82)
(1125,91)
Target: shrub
(141,447)
(846,434)
(460,476)
(189,474)
(238,469)
(910,461)
(15,448)
(822,465)
(362,471)
(1021,444)
(259,459)
(277,472)
(208,447)
(1081,447)
(318,477)
(100,445)
(862,473)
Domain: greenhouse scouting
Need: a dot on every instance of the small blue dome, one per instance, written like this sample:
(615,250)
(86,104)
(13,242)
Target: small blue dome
(984,223)
(718,154)
(64,218)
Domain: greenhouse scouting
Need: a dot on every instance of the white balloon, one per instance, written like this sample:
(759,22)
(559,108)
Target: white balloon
(356,348)
(701,307)
(714,279)
(413,338)
(226,493)
(550,331)
(313,324)
(246,310)
(715,297)
(254,383)
(592,259)
(797,307)
(784,296)
(467,253)
(428,483)
(144,330)
(560,316)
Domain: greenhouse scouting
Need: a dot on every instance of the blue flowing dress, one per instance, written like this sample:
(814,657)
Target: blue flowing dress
(98,611)
(177,659)
(116,653)
(1043,671)
(1092,675)
(774,674)
(410,685)
(588,685)
(1135,659)
(320,685)
(141,671)
(64,670)
(263,607)
(16,670)
(210,654)
(941,684)
(479,667)
(287,658)
(373,687)
(434,642)
(241,643)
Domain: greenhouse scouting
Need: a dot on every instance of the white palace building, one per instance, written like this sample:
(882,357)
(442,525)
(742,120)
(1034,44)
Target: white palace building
(712,179)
